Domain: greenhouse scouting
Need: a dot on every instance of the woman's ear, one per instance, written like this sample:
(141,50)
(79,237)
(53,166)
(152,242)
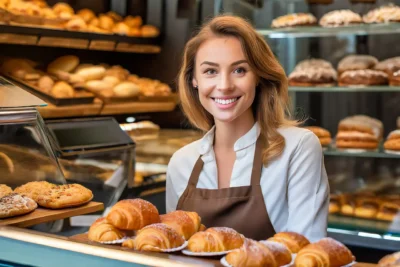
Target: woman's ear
(194,83)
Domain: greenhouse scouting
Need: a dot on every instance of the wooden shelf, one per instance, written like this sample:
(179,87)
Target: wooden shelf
(137,107)
(52,111)
(41,215)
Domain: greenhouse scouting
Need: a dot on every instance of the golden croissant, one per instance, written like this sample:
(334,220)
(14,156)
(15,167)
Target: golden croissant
(133,214)
(157,237)
(392,260)
(184,222)
(101,230)
(324,253)
(257,254)
(215,239)
(293,241)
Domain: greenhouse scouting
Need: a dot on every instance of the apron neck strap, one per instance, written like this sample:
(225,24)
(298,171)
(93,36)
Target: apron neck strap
(194,177)
(257,163)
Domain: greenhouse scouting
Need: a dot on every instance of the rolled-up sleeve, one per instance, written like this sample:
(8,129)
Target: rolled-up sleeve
(308,190)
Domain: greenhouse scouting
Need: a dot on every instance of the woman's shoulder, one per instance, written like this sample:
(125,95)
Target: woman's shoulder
(186,154)
(297,137)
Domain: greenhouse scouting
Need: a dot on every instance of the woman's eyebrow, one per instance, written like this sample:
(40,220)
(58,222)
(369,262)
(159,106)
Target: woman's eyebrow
(216,64)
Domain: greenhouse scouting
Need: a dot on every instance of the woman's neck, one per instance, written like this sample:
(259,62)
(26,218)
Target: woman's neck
(227,133)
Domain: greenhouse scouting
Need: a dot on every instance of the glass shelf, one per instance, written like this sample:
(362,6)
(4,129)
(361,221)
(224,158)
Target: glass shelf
(345,89)
(317,31)
(354,153)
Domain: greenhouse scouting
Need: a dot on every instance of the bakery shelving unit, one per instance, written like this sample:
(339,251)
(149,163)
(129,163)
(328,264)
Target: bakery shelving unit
(297,40)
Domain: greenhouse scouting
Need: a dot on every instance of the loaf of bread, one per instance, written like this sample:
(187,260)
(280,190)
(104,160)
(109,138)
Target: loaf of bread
(133,214)
(65,63)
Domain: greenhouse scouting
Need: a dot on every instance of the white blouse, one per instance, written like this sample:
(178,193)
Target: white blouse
(295,186)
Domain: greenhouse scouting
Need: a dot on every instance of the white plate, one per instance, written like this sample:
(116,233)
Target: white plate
(392,152)
(226,264)
(205,254)
(114,242)
(356,150)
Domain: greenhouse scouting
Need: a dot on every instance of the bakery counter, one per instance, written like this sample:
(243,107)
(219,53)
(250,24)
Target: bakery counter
(78,251)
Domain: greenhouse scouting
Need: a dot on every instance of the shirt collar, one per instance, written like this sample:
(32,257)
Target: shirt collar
(206,143)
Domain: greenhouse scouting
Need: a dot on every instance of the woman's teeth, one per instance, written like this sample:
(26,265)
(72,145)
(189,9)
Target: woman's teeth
(225,101)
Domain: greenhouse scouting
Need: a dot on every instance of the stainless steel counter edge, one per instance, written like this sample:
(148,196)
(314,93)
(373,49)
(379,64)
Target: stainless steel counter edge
(64,243)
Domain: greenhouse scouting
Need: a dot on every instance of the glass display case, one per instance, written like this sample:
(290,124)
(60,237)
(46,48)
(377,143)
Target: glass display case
(370,179)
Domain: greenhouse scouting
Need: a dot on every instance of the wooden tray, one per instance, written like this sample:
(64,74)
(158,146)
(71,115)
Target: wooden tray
(82,97)
(41,215)
(113,99)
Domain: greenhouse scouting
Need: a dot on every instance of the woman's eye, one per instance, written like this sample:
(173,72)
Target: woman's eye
(240,70)
(210,71)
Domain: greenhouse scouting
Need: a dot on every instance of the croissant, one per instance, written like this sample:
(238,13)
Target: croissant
(157,237)
(257,254)
(293,241)
(202,228)
(215,239)
(129,243)
(392,260)
(324,253)
(184,222)
(133,214)
(101,230)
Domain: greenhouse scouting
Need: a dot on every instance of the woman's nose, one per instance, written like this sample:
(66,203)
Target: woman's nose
(224,83)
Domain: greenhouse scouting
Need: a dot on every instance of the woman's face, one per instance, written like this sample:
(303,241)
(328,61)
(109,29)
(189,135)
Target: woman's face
(225,82)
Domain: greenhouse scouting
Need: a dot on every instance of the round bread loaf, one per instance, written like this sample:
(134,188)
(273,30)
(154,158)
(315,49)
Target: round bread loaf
(65,63)
(92,73)
(126,89)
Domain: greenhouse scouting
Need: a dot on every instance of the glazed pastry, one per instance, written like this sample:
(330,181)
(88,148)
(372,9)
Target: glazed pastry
(296,19)
(340,18)
(254,254)
(323,135)
(358,140)
(183,222)
(133,214)
(313,72)
(334,204)
(367,207)
(389,65)
(392,260)
(293,241)
(383,14)
(325,253)
(388,211)
(157,237)
(393,141)
(101,231)
(363,77)
(357,62)
(215,239)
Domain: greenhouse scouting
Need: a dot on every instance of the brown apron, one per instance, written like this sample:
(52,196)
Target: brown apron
(241,208)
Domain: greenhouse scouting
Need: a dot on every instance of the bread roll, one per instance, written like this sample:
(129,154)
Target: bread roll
(63,7)
(133,22)
(91,73)
(65,63)
(126,89)
(121,28)
(95,22)
(45,84)
(112,80)
(106,23)
(86,14)
(135,32)
(62,90)
(118,71)
(133,214)
(149,31)
(116,17)
(101,231)
(76,24)
(98,85)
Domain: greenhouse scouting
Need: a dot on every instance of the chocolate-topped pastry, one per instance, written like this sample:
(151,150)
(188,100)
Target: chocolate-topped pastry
(313,72)
(363,77)
(383,14)
(389,65)
(356,62)
(292,20)
(338,18)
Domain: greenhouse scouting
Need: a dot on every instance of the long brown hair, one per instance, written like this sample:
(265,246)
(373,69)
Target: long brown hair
(270,107)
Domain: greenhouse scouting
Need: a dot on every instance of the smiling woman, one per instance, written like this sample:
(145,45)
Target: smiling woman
(253,171)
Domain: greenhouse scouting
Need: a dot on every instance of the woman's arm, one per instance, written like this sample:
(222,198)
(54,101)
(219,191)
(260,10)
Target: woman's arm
(308,190)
